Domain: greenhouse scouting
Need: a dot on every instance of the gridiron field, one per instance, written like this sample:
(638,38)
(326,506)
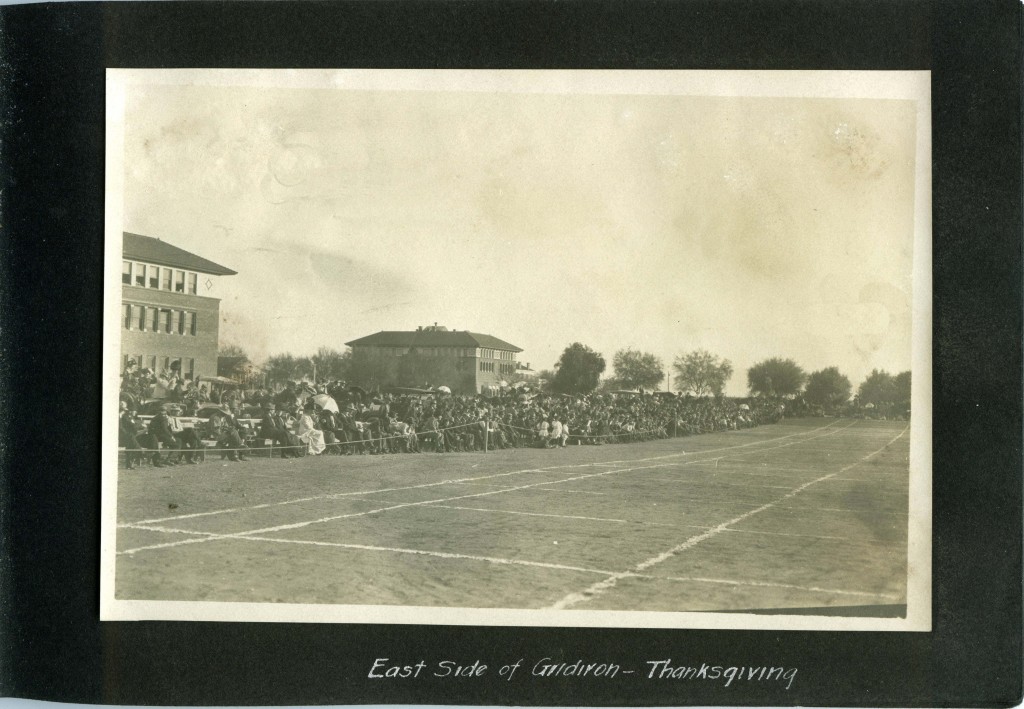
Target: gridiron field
(808,513)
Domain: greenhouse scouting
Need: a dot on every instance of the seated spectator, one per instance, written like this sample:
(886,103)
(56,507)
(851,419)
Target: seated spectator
(127,432)
(306,430)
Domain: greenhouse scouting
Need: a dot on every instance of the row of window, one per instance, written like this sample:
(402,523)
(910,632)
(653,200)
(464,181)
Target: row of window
(447,352)
(146,275)
(160,364)
(502,368)
(147,318)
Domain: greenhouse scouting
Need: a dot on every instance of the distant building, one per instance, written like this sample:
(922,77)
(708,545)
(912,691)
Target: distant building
(168,309)
(478,361)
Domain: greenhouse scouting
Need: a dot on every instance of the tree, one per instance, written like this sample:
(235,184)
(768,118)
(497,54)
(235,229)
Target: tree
(287,367)
(901,389)
(878,389)
(634,370)
(578,370)
(371,369)
(827,388)
(545,378)
(701,373)
(330,364)
(280,368)
(775,377)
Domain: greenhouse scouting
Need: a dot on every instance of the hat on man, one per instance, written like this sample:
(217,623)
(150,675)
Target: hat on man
(270,407)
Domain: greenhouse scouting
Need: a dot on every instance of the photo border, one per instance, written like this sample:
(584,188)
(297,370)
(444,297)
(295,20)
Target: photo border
(53,645)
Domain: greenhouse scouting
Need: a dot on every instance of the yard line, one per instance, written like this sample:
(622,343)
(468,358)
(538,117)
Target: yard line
(297,525)
(714,481)
(593,590)
(540,514)
(330,496)
(574,492)
(526,562)
(645,523)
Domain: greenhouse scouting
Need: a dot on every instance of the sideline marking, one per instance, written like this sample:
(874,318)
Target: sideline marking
(593,590)
(298,525)
(336,495)
(540,564)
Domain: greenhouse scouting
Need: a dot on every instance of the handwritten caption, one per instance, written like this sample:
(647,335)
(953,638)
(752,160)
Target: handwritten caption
(387,669)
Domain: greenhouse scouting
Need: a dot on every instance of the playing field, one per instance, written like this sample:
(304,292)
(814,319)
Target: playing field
(808,513)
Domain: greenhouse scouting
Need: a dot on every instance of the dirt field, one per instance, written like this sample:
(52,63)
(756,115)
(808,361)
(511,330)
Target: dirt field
(804,514)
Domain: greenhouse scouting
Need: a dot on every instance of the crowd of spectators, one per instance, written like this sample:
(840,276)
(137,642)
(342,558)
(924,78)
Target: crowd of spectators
(293,421)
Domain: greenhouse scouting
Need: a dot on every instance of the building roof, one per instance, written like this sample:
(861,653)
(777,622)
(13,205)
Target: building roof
(433,338)
(145,248)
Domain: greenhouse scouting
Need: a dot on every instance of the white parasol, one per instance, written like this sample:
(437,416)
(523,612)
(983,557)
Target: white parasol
(325,401)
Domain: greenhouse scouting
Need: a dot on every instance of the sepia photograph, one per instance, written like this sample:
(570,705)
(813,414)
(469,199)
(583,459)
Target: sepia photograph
(538,348)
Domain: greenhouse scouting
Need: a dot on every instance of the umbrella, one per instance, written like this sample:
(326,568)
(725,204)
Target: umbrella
(446,390)
(325,402)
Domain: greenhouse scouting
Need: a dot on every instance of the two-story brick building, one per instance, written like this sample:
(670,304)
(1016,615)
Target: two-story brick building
(481,360)
(169,310)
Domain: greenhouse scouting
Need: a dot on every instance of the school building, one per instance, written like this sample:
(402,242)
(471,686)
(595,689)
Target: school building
(169,308)
(482,361)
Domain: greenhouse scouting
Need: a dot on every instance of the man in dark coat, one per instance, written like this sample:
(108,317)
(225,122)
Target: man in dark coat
(127,432)
(273,427)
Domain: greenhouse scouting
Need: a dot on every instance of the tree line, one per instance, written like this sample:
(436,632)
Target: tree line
(579,370)
(702,374)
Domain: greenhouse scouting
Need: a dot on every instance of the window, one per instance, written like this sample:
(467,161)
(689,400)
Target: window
(126,273)
(140,275)
(142,320)
(155,320)
(188,366)
(165,321)
(175,322)
(165,279)
(126,315)
(154,276)
(193,283)
(193,324)
(166,364)
(151,362)
(179,281)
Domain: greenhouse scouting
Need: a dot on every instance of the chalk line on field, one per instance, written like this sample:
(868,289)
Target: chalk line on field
(297,525)
(330,496)
(600,587)
(523,562)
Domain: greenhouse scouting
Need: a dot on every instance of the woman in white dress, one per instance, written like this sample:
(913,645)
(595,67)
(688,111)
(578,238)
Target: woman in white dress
(308,433)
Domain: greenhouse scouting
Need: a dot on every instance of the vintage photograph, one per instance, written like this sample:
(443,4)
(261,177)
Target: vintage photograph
(554,348)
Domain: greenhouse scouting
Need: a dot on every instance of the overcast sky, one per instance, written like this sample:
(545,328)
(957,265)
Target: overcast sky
(751,227)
